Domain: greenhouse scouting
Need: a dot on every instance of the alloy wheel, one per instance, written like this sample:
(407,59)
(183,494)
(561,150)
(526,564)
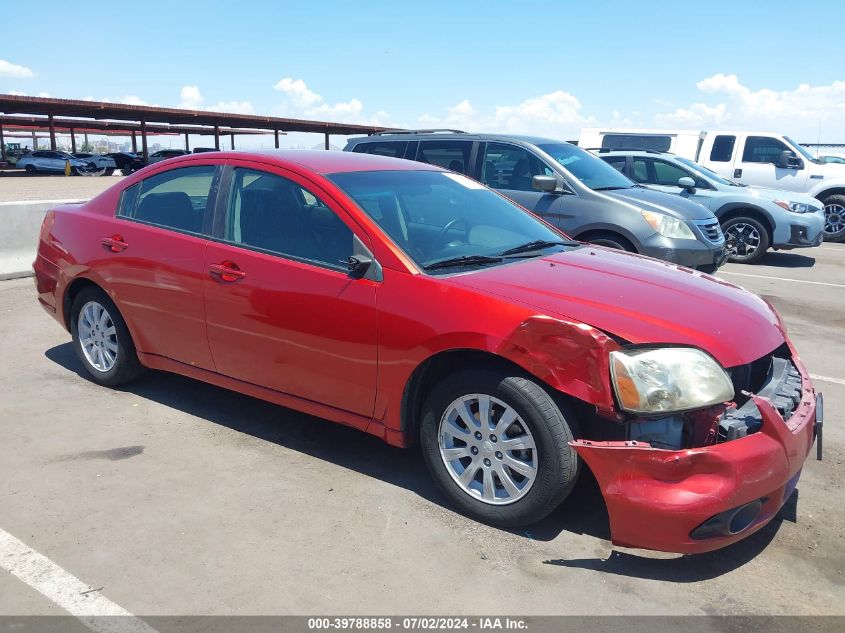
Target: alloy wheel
(834,219)
(487,449)
(97,336)
(742,240)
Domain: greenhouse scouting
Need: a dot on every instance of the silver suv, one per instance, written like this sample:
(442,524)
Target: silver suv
(753,219)
(569,188)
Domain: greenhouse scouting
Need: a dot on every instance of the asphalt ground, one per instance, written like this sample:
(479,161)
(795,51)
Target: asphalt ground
(173,497)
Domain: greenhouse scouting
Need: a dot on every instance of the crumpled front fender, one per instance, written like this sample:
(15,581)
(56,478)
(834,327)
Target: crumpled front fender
(655,498)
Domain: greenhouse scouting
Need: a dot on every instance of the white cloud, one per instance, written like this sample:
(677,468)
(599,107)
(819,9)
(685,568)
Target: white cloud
(191,97)
(555,114)
(132,100)
(8,69)
(297,92)
(301,101)
(233,107)
(802,110)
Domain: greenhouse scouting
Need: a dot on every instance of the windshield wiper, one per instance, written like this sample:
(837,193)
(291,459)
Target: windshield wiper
(611,188)
(536,245)
(463,260)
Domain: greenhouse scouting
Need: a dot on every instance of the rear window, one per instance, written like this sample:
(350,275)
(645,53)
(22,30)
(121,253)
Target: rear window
(392,149)
(723,149)
(452,155)
(175,199)
(660,143)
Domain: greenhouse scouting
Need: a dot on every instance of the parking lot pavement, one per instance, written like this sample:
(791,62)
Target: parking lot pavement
(175,497)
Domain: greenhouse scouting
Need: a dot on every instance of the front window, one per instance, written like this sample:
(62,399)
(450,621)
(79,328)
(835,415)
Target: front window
(270,213)
(762,149)
(802,150)
(434,216)
(701,169)
(590,170)
(511,167)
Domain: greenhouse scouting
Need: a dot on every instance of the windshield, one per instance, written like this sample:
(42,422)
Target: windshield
(590,170)
(712,175)
(435,216)
(802,150)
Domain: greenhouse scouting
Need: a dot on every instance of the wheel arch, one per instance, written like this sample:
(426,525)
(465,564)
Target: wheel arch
(741,209)
(568,360)
(72,290)
(77,285)
(829,191)
(615,233)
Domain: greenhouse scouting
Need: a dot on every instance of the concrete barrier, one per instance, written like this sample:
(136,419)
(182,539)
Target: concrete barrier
(20,223)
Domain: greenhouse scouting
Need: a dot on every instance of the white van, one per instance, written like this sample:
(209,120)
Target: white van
(764,159)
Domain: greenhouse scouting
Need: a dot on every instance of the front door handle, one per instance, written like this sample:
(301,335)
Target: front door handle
(115,243)
(226,271)
(737,173)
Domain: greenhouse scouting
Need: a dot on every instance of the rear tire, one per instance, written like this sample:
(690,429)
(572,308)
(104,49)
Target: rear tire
(508,467)
(834,218)
(101,339)
(746,239)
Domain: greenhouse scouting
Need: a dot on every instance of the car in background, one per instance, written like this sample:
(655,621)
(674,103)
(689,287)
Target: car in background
(49,161)
(833,159)
(569,188)
(126,162)
(763,159)
(164,154)
(200,150)
(418,305)
(99,162)
(753,219)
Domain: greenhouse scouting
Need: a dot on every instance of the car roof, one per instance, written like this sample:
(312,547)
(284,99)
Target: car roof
(467,136)
(632,152)
(319,161)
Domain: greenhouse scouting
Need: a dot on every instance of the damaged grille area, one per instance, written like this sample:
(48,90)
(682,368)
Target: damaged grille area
(782,386)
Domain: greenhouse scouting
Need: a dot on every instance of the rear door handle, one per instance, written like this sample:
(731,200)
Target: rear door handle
(737,173)
(226,271)
(114,243)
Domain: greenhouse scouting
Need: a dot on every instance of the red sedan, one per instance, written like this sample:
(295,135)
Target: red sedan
(418,305)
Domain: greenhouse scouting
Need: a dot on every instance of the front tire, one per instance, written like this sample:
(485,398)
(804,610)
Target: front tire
(30,169)
(834,218)
(746,239)
(102,340)
(611,240)
(497,445)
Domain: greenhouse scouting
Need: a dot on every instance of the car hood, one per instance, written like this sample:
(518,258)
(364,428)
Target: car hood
(651,200)
(780,194)
(639,299)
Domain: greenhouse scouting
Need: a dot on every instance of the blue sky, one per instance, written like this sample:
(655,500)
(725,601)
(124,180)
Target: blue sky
(490,66)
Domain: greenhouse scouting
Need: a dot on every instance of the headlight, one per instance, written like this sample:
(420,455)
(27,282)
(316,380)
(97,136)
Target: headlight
(795,207)
(668,379)
(668,226)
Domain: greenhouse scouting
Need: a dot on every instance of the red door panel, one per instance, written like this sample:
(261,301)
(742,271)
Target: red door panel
(157,277)
(296,328)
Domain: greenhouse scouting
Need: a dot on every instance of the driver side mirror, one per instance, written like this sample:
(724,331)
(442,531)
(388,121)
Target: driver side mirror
(787,160)
(687,183)
(546,184)
(358,265)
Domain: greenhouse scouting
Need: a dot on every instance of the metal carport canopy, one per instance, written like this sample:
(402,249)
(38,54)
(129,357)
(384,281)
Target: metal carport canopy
(102,110)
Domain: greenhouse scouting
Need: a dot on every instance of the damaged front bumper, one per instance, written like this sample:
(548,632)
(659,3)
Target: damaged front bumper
(701,499)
